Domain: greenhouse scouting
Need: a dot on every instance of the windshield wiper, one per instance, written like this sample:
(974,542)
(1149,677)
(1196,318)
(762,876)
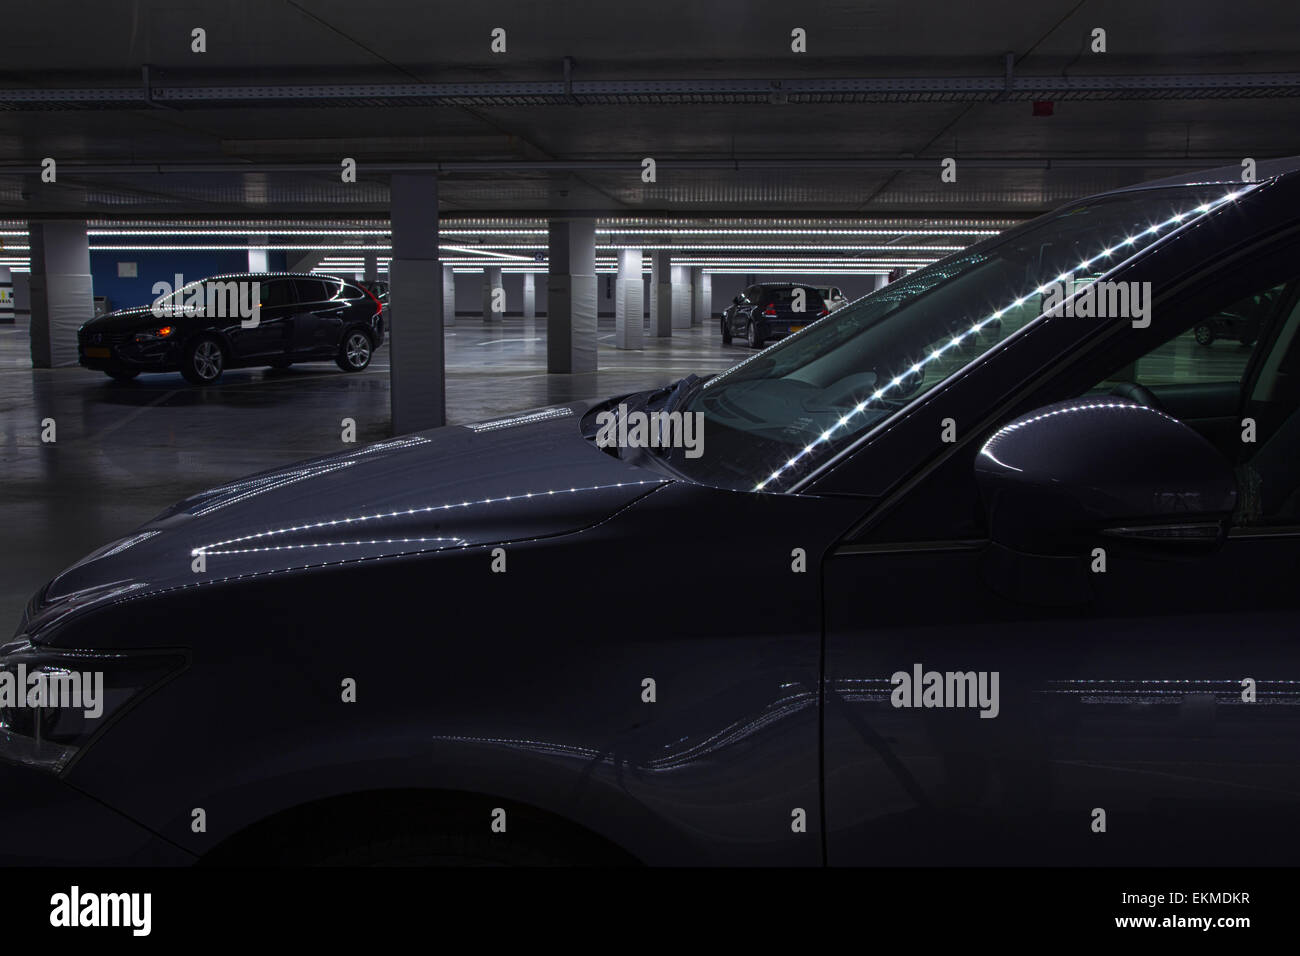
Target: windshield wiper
(684,389)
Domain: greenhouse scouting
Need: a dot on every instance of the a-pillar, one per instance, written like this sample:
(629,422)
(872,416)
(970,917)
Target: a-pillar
(62,295)
(417,370)
(702,292)
(448,296)
(661,296)
(681,297)
(494,295)
(571,297)
(629,301)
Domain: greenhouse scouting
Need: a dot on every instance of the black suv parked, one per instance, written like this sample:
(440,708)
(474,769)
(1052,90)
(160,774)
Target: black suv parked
(239,320)
(771,310)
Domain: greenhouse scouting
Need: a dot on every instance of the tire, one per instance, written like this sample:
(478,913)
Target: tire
(726,331)
(355,350)
(751,335)
(122,375)
(203,361)
(1204,334)
(280,363)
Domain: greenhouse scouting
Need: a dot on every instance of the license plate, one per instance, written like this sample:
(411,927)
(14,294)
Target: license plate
(796,328)
(99,353)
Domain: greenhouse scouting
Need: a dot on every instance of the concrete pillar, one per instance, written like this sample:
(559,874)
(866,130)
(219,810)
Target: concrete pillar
(417,361)
(571,297)
(530,296)
(257,257)
(448,296)
(370,267)
(491,283)
(6,296)
(62,295)
(681,280)
(702,296)
(629,301)
(661,296)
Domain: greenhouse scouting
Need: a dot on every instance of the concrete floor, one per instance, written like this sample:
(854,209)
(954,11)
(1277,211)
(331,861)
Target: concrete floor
(125,451)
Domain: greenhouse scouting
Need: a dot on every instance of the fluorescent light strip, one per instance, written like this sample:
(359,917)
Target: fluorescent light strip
(235,231)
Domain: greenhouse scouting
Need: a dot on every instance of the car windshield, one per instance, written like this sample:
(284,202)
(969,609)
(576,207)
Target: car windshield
(218,297)
(770,420)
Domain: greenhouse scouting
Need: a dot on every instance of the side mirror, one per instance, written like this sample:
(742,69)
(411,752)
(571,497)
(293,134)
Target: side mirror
(1070,477)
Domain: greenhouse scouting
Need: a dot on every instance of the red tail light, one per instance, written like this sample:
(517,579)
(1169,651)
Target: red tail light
(770,310)
(823,312)
(379,306)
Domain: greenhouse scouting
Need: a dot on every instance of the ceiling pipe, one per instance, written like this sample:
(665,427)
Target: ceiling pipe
(630,165)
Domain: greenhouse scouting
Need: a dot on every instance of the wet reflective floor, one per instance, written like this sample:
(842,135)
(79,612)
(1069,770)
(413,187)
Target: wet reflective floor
(124,451)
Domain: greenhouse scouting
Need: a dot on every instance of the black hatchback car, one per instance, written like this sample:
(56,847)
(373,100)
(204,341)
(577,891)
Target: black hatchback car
(1009,582)
(237,321)
(771,310)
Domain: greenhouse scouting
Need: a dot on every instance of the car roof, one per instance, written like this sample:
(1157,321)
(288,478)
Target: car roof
(1264,169)
(269,275)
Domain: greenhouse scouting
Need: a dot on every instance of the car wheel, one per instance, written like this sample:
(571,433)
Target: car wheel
(204,361)
(122,375)
(354,351)
(751,335)
(280,363)
(1204,335)
(726,331)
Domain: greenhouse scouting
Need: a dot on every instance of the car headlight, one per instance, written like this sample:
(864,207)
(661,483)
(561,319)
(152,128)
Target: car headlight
(53,702)
(162,333)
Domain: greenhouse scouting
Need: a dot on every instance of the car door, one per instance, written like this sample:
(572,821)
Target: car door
(316,322)
(269,337)
(1154,719)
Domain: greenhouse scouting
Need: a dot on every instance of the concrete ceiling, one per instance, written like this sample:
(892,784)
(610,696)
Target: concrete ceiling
(1010,162)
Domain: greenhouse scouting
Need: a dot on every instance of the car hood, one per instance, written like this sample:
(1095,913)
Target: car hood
(123,320)
(527,476)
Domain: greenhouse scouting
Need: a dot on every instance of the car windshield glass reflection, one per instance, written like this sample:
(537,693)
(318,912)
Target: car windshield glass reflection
(774,417)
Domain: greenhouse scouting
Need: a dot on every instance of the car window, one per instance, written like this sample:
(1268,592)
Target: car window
(311,290)
(1217,349)
(786,295)
(276,292)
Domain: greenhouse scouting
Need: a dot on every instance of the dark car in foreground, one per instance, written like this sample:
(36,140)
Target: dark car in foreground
(237,321)
(1001,583)
(771,310)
